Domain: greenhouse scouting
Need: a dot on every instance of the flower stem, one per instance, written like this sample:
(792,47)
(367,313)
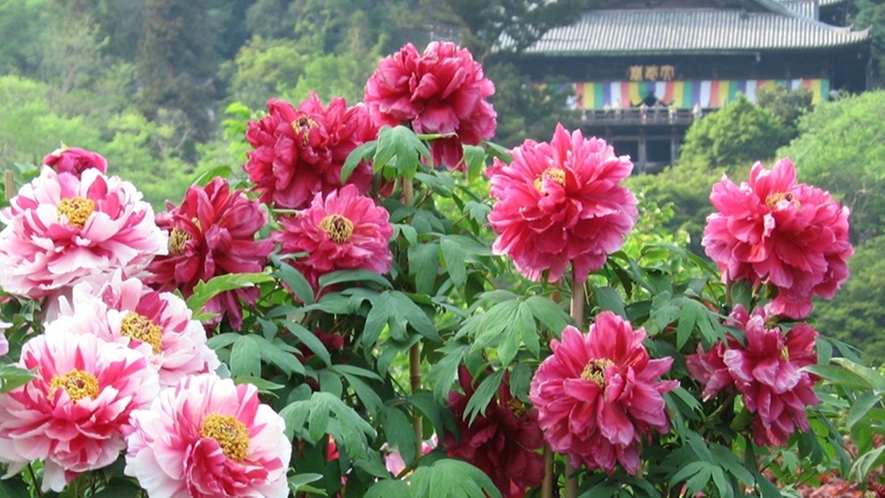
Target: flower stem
(577,312)
(547,483)
(415,350)
(10,184)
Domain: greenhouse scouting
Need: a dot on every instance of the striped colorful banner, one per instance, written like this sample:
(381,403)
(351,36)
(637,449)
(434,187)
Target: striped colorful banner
(685,94)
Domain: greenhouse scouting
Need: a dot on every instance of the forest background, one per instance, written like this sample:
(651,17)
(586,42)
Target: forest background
(162,89)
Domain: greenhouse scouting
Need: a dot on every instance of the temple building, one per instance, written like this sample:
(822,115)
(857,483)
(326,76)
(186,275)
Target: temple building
(643,70)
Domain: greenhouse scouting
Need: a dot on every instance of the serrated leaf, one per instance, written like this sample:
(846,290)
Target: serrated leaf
(483,395)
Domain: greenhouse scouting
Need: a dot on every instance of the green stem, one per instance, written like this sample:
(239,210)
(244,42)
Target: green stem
(415,350)
(577,313)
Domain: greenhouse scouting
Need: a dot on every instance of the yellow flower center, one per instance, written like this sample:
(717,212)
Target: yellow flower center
(555,174)
(75,210)
(773,199)
(178,238)
(77,383)
(229,433)
(517,406)
(337,227)
(785,354)
(594,371)
(141,328)
(303,125)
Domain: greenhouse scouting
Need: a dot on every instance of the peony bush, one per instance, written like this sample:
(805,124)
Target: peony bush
(385,304)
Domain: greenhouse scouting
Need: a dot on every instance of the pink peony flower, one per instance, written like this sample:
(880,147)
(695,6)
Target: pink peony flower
(157,324)
(710,369)
(344,231)
(207,438)
(773,231)
(502,442)
(75,161)
(212,233)
(598,394)
(61,228)
(4,344)
(299,152)
(559,203)
(440,91)
(393,459)
(75,414)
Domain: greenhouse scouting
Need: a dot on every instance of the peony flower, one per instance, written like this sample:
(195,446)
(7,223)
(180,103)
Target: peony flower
(344,231)
(502,442)
(212,233)
(598,394)
(75,414)
(207,437)
(773,231)
(559,203)
(710,369)
(393,459)
(299,152)
(60,229)
(157,324)
(768,373)
(440,91)
(4,344)
(75,161)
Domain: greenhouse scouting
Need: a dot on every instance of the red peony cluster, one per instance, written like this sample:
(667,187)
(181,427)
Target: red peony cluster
(561,203)
(774,231)
(442,91)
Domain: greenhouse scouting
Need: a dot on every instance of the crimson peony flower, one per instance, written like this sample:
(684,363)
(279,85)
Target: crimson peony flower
(74,415)
(60,229)
(502,442)
(710,369)
(598,394)
(157,324)
(299,152)
(75,161)
(344,231)
(559,203)
(771,230)
(440,91)
(212,233)
(767,372)
(208,438)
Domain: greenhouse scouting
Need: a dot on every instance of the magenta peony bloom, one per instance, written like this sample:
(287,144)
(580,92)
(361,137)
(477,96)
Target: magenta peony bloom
(598,394)
(440,91)
(212,233)
(559,203)
(75,161)
(502,442)
(299,152)
(75,414)
(710,369)
(60,229)
(771,230)
(157,324)
(767,372)
(208,438)
(344,231)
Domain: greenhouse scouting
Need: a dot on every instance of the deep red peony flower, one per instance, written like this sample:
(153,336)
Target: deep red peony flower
(773,231)
(212,233)
(299,152)
(559,203)
(598,394)
(344,231)
(502,442)
(75,161)
(441,91)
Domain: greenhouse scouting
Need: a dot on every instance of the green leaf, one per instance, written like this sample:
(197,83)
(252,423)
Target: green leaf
(116,488)
(356,156)
(389,488)
(318,420)
(437,414)
(377,318)
(298,481)
(550,314)
(450,478)
(609,299)
(442,373)
(296,281)
(839,376)
(402,144)
(295,415)
(483,395)
(204,291)
(365,393)
(475,159)
(861,407)
(342,276)
(423,266)
(309,339)
(520,381)
(441,183)
(12,377)
(454,257)
(414,315)
(245,357)
(264,386)
(399,431)
(730,462)
(277,353)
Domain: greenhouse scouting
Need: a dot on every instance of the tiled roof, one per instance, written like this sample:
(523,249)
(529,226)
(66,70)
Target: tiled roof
(805,8)
(691,31)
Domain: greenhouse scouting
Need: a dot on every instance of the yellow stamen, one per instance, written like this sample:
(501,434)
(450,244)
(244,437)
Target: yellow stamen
(178,238)
(75,210)
(77,383)
(141,328)
(303,125)
(517,406)
(337,227)
(229,433)
(594,371)
(555,174)
(773,199)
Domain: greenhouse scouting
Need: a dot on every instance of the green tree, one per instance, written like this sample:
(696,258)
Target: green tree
(787,105)
(840,148)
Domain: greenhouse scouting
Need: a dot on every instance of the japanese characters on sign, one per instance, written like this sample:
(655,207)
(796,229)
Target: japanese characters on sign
(651,73)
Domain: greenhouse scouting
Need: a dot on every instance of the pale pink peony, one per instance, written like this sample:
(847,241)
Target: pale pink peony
(212,233)
(773,231)
(157,324)
(559,203)
(393,459)
(440,91)
(299,152)
(344,231)
(208,438)
(60,229)
(75,414)
(4,343)
(75,161)
(599,394)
